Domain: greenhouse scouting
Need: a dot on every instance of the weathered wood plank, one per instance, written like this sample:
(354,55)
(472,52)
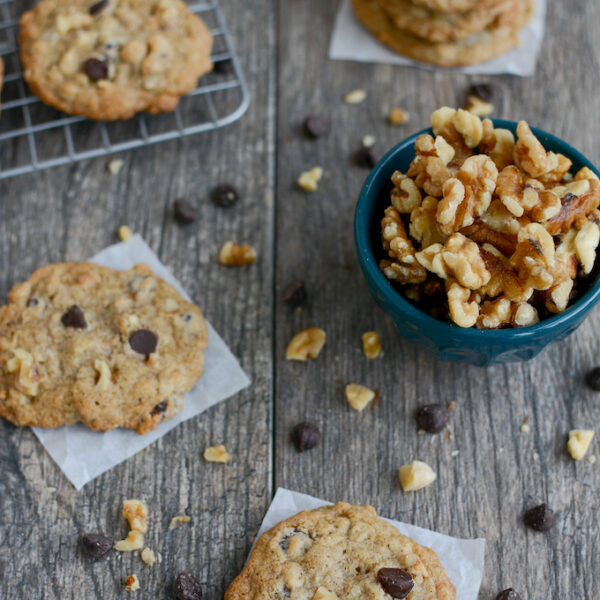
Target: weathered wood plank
(71,213)
(498,471)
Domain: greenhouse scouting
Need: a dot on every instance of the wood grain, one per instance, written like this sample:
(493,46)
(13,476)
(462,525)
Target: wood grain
(72,212)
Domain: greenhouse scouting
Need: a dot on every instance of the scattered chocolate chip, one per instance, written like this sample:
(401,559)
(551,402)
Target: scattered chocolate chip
(97,545)
(508,594)
(32,302)
(366,157)
(96,69)
(187,587)
(294,293)
(316,126)
(396,582)
(143,341)
(99,6)
(540,518)
(432,418)
(305,436)
(224,67)
(184,211)
(159,408)
(225,195)
(485,91)
(74,318)
(593,379)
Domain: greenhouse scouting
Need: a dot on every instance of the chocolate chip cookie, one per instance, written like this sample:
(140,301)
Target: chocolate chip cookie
(84,343)
(110,59)
(340,552)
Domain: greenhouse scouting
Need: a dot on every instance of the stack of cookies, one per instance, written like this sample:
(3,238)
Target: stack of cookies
(447,33)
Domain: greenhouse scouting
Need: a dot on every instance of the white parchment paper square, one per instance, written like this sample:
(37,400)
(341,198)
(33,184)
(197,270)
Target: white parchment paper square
(351,41)
(462,559)
(83,454)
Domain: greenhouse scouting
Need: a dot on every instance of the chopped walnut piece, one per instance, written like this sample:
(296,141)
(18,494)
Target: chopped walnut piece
(585,173)
(232,255)
(104,381)
(480,108)
(415,476)
(503,279)
(132,583)
(548,207)
(306,344)
(309,180)
(324,594)
(566,253)
(557,297)
(516,192)
(423,223)
(358,396)
(355,96)
(498,144)
(524,314)
(579,442)
(133,541)
(429,168)
(371,345)
(178,520)
(463,311)
(586,241)
(557,174)
(578,199)
(494,313)
(468,195)
(115,165)
(469,126)
(148,556)
(406,195)
(136,513)
(534,257)
(529,154)
(403,267)
(217,454)
(482,233)
(398,116)
(442,123)
(27,378)
(125,233)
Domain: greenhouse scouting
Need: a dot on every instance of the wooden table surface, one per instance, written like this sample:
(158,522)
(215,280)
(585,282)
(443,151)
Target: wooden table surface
(72,212)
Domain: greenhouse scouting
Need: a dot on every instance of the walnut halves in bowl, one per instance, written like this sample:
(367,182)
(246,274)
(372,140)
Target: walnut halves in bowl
(487,230)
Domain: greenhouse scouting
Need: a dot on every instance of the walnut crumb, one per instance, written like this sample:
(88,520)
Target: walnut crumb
(591,459)
(309,180)
(525,428)
(217,454)
(132,583)
(148,556)
(416,476)
(233,255)
(368,141)
(115,165)
(358,396)
(306,344)
(324,594)
(579,442)
(371,344)
(398,116)
(178,520)
(125,233)
(355,97)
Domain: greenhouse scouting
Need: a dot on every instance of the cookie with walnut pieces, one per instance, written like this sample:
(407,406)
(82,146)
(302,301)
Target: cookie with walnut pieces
(110,59)
(450,6)
(84,343)
(342,552)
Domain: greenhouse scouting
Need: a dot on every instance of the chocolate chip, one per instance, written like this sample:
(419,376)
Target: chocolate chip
(184,211)
(294,294)
(396,582)
(366,157)
(143,341)
(316,126)
(593,379)
(306,436)
(508,594)
(74,318)
(225,195)
(99,6)
(432,418)
(485,91)
(159,408)
(32,302)
(96,69)
(224,67)
(540,518)
(187,587)
(97,545)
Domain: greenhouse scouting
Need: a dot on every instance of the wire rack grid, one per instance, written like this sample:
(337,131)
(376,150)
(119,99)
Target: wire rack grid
(34,136)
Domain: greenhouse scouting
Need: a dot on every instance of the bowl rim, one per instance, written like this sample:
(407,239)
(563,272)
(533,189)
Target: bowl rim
(375,277)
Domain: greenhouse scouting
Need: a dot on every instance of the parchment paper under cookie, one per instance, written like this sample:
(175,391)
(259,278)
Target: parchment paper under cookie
(351,41)
(83,454)
(462,559)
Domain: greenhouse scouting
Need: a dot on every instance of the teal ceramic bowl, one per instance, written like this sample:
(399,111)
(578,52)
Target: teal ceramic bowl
(448,341)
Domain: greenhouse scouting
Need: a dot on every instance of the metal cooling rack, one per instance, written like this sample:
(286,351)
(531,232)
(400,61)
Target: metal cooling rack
(34,136)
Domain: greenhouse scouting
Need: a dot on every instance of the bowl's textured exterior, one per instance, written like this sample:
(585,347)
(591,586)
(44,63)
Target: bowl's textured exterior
(448,341)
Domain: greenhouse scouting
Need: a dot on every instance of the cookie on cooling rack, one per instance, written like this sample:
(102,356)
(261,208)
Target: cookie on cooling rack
(110,59)
(84,343)
(338,552)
